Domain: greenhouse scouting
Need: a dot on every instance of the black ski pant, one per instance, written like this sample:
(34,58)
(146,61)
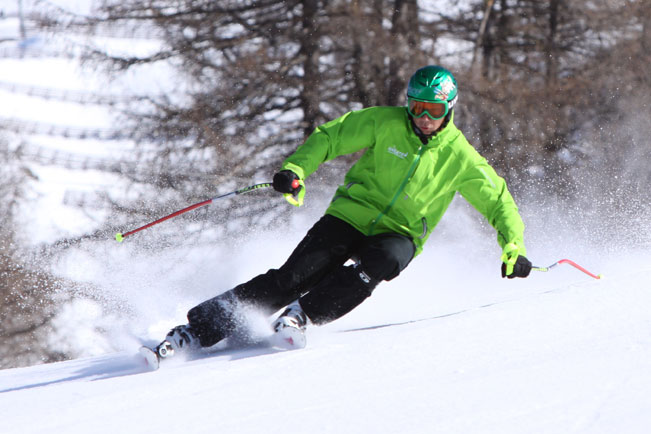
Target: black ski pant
(315,274)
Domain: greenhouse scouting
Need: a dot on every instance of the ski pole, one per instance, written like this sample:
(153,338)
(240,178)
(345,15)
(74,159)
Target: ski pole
(121,236)
(573,264)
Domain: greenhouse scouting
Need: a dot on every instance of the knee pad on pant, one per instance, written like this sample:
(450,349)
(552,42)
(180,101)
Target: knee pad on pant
(338,294)
(386,256)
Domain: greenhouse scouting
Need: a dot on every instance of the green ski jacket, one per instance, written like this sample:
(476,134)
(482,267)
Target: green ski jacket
(401,185)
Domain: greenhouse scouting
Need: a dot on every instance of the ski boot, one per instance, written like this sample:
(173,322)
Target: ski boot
(180,339)
(289,328)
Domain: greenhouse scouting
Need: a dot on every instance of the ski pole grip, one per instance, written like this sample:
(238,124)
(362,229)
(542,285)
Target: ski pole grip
(296,183)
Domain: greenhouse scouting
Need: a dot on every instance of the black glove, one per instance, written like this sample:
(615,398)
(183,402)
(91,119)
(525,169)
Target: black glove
(283,180)
(521,268)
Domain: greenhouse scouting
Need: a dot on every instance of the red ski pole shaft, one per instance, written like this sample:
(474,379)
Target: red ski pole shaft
(572,263)
(121,236)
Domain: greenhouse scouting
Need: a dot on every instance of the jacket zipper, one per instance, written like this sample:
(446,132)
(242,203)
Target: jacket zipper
(410,172)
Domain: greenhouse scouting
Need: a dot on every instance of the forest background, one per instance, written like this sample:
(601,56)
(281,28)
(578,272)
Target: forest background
(555,94)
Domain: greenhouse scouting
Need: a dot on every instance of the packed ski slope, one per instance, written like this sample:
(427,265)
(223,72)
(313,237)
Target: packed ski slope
(443,349)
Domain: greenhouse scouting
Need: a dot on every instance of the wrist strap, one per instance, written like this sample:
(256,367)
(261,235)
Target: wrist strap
(298,200)
(510,256)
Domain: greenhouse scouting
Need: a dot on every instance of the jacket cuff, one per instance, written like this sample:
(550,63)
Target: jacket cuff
(298,170)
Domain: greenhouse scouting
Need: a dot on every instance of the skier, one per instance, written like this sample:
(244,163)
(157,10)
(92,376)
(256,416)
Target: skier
(414,162)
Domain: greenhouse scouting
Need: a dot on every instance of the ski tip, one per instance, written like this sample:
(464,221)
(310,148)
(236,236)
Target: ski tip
(600,276)
(288,338)
(150,356)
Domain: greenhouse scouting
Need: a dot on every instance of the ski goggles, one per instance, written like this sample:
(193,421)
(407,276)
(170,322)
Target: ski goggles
(435,110)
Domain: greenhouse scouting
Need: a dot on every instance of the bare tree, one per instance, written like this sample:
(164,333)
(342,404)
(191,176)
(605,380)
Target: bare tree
(254,79)
(540,69)
(27,295)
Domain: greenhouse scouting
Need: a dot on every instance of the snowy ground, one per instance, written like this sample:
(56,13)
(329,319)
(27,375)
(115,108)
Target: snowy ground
(453,353)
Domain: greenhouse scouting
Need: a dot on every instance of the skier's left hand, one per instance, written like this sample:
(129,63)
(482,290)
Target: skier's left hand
(521,268)
(513,263)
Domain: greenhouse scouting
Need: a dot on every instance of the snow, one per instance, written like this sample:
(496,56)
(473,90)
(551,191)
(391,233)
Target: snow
(448,347)
(563,353)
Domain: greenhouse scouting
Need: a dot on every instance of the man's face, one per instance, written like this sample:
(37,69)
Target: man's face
(427,125)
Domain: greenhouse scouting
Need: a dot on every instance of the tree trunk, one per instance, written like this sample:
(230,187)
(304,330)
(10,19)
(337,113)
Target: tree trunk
(309,51)
(550,48)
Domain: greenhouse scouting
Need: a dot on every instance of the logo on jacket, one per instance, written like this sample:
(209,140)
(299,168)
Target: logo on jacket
(397,153)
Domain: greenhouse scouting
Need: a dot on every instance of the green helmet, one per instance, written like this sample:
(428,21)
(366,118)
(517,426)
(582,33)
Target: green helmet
(433,84)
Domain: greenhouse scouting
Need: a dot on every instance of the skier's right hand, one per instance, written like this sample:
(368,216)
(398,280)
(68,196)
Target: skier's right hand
(284,182)
(288,183)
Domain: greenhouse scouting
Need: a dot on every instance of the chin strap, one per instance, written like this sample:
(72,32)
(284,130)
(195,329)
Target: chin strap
(425,138)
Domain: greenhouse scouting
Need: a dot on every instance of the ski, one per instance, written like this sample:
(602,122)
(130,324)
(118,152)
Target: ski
(288,338)
(151,357)
(285,338)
